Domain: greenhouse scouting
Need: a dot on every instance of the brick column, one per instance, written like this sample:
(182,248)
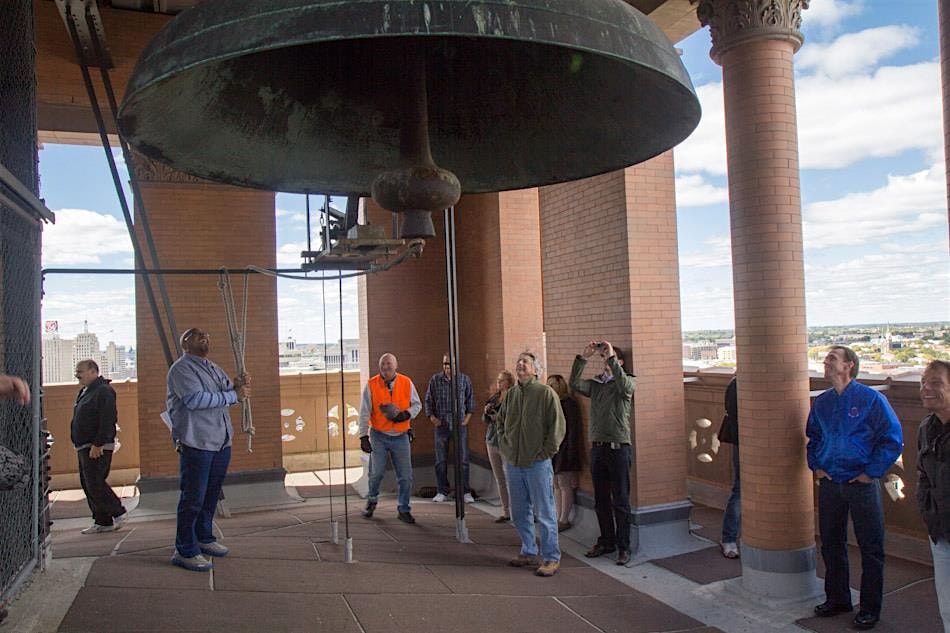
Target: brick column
(755,51)
(944,13)
(197,224)
(610,271)
(403,310)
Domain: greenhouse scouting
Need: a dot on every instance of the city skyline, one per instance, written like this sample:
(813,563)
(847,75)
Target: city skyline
(873,193)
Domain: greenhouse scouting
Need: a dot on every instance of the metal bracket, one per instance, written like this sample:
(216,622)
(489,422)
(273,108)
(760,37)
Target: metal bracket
(85,17)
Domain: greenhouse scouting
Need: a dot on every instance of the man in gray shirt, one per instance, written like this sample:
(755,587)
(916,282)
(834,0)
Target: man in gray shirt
(199,394)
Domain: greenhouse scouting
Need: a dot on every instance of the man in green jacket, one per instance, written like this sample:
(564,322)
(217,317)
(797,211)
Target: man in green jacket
(530,426)
(610,395)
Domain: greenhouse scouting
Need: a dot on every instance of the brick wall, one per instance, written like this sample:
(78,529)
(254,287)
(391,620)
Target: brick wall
(609,262)
(211,226)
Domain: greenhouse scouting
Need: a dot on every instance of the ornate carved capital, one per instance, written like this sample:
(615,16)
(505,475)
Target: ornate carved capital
(148,170)
(734,22)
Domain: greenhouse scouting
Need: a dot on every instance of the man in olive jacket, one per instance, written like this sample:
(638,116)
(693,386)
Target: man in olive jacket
(610,396)
(530,426)
(93,434)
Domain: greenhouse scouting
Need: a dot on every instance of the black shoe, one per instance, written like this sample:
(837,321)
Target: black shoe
(865,620)
(599,550)
(406,517)
(623,557)
(370,509)
(828,609)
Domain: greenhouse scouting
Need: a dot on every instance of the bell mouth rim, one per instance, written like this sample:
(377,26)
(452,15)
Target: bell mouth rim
(662,70)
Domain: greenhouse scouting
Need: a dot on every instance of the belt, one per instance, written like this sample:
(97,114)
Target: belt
(613,445)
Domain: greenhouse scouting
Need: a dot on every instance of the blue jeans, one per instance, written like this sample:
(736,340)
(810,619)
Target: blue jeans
(863,502)
(202,473)
(941,554)
(610,474)
(532,499)
(443,434)
(732,517)
(397,448)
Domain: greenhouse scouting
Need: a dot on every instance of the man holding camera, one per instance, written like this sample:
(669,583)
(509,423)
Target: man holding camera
(390,402)
(610,395)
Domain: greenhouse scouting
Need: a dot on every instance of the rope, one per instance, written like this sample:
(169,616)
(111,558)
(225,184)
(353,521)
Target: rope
(237,336)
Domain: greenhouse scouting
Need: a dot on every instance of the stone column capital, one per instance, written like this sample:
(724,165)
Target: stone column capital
(734,22)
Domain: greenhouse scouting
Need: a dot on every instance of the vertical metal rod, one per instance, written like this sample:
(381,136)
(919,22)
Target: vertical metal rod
(461,533)
(334,525)
(104,139)
(307,198)
(348,550)
(38,451)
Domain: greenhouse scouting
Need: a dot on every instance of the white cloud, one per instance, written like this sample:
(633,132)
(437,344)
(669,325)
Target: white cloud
(718,252)
(856,52)
(705,149)
(288,255)
(830,13)
(109,311)
(692,190)
(83,237)
(865,289)
(840,121)
(301,307)
(845,120)
(906,204)
(707,307)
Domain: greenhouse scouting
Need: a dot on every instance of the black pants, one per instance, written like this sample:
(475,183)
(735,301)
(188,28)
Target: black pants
(93,473)
(610,472)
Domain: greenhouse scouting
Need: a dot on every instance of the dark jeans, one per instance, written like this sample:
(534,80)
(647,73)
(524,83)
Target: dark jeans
(93,473)
(610,472)
(732,517)
(202,473)
(443,434)
(863,501)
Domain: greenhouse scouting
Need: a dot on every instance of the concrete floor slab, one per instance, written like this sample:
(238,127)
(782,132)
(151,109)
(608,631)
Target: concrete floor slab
(121,610)
(282,576)
(630,613)
(703,566)
(145,572)
(512,581)
(911,609)
(465,614)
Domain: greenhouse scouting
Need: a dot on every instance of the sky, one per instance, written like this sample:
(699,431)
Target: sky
(874,202)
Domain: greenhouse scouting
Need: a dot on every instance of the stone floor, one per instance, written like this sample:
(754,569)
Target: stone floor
(285,574)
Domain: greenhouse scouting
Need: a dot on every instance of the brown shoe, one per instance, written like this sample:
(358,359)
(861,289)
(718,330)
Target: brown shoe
(599,550)
(623,557)
(503,519)
(548,568)
(524,561)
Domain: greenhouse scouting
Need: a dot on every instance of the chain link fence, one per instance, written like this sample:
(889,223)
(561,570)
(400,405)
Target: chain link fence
(24,523)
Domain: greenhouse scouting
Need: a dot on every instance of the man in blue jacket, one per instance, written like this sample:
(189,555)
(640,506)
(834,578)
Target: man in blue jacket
(853,438)
(199,394)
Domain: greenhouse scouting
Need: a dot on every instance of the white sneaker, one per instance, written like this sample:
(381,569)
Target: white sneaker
(439,498)
(730,550)
(469,498)
(95,528)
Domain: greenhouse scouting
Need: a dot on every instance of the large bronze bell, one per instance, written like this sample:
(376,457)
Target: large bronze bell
(370,96)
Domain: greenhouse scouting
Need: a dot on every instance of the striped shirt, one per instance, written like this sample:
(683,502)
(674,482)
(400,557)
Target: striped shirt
(199,394)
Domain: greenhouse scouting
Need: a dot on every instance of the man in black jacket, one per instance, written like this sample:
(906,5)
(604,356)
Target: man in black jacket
(93,434)
(933,475)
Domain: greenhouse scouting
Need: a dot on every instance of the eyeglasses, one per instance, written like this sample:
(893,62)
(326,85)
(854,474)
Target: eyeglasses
(197,333)
(446,364)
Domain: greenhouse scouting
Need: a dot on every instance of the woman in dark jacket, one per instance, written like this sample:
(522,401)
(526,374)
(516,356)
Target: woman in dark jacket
(567,462)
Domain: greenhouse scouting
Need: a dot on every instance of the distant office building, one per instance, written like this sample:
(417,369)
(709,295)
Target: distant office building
(114,363)
(727,353)
(703,350)
(86,346)
(58,363)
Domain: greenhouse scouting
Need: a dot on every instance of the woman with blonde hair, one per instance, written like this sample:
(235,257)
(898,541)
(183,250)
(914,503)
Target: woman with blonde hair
(503,383)
(567,462)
